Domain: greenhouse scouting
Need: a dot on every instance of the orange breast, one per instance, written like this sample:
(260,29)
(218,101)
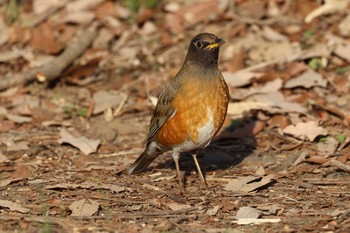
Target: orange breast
(196,103)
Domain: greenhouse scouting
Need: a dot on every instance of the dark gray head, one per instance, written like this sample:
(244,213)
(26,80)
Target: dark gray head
(204,50)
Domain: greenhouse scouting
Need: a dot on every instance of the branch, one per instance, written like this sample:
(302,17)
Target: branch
(54,68)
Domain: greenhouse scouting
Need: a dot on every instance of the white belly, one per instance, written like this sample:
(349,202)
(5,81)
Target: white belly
(205,133)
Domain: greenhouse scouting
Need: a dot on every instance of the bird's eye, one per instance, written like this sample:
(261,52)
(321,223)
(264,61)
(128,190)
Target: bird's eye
(199,44)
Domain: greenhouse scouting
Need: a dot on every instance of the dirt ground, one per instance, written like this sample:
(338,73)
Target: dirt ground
(72,122)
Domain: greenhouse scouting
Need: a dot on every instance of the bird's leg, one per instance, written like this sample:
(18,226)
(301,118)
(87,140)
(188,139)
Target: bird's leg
(194,156)
(176,156)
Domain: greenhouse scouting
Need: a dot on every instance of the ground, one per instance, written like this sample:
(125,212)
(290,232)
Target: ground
(72,122)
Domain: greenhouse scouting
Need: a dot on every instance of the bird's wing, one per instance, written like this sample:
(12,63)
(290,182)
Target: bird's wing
(162,112)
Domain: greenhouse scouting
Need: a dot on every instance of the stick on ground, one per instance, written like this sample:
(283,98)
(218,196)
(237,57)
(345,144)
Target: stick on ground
(54,68)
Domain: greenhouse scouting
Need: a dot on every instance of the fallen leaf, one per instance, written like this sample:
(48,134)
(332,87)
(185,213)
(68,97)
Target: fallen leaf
(270,51)
(21,172)
(305,130)
(213,211)
(84,207)
(344,26)
(328,146)
(85,145)
(247,212)
(269,87)
(175,206)
(248,183)
(81,5)
(343,51)
(13,206)
(272,35)
(308,79)
(43,38)
(42,6)
(80,17)
(240,78)
(13,117)
(6,182)
(104,100)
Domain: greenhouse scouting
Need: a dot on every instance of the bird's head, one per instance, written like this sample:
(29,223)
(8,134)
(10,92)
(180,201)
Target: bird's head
(204,49)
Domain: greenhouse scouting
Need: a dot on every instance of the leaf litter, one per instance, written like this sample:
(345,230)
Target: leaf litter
(96,67)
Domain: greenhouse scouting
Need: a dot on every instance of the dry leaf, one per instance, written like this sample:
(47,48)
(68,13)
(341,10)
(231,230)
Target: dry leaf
(6,182)
(308,79)
(247,212)
(213,211)
(81,5)
(248,183)
(13,206)
(305,130)
(270,51)
(343,51)
(272,35)
(328,146)
(43,39)
(344,26)
(175,206)
(104,100)
(42,6)
(240,78)
(85,145)
(84,207)
(80,17)
(13,117)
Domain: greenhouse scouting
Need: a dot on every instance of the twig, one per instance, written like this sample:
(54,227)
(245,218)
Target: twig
(53,69)
(118,110)
(176,222)
(120,153)
(340,165)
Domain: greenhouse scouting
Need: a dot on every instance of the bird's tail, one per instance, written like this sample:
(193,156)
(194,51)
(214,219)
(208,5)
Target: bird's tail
(142,162)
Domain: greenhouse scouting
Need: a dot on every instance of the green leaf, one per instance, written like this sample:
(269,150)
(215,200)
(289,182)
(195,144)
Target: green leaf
(341,138)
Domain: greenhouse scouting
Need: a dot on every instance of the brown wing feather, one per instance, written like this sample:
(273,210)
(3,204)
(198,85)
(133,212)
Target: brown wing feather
(163,110)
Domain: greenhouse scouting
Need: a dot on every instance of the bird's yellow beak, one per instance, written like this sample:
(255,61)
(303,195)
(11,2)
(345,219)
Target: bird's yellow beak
(216,44)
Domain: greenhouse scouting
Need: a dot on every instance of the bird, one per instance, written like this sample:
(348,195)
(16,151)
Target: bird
(190,110)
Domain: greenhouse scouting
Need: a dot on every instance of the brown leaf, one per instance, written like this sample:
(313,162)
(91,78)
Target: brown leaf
(248,184)
(196,13)
(43,39)
(84,207)
(308,79)
(106,9)
(21,172)
(13,206)
(144,14)
(7,125)
(303,130)
(280,121)
(247,212)
(84,144)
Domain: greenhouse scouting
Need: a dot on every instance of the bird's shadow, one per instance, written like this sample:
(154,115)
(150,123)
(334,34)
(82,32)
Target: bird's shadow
(227,149)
